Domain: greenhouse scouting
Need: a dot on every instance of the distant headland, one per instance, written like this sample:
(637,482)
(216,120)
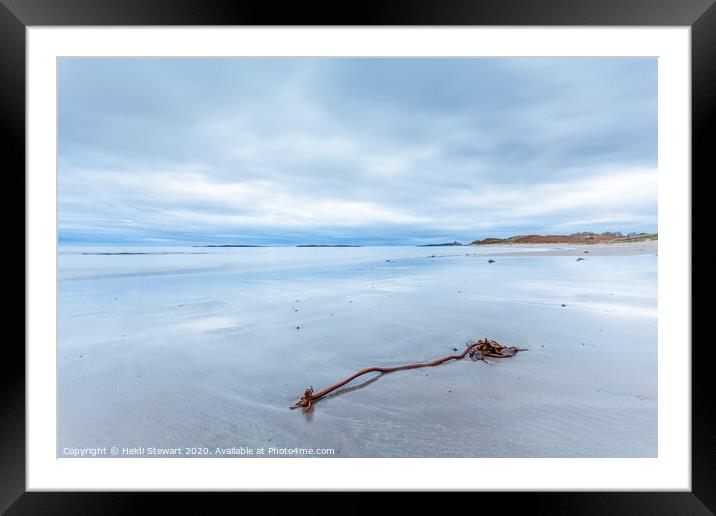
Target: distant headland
(574,238)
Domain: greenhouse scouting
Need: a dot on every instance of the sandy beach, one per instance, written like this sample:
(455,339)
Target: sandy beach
(177,349)
(615,249)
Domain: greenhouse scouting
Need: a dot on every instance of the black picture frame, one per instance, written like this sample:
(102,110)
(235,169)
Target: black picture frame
(16,15)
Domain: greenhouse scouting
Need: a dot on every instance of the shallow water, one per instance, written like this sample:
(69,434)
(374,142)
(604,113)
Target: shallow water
(179,349)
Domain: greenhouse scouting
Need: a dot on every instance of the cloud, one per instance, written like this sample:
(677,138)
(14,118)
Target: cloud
(614,193)
(369,150)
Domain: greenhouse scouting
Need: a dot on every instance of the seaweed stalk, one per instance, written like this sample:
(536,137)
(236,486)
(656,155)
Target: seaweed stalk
(475,351)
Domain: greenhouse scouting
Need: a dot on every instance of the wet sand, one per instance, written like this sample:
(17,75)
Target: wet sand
(210,351)
(618,249)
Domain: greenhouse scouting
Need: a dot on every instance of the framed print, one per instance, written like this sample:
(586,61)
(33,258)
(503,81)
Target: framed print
(421,249)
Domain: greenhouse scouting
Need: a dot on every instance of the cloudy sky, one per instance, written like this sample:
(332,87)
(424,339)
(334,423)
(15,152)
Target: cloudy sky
(368,151)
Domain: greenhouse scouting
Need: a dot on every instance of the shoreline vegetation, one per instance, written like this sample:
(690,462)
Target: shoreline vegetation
(574,238)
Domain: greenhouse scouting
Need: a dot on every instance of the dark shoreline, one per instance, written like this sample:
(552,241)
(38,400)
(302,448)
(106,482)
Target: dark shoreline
(230,245)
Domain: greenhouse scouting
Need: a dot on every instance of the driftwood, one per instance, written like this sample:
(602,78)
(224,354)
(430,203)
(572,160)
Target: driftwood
(475,351)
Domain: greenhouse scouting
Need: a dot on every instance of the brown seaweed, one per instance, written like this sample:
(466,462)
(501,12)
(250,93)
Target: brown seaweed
(475,351)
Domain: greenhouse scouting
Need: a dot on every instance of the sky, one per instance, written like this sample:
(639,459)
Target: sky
(283,151)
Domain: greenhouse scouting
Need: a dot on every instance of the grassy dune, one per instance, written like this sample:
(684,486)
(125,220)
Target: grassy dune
(574,238)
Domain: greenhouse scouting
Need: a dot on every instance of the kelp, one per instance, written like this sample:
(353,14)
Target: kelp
(476,351)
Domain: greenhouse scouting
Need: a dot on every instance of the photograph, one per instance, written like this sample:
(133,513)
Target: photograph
(357,257)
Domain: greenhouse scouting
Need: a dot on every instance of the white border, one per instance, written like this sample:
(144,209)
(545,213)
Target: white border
(671,470)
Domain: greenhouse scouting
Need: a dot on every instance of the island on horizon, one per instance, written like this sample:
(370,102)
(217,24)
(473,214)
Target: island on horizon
(230,245)
(448,244)
(328,245)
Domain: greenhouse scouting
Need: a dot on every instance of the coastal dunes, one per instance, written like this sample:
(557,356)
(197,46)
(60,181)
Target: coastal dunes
(574,238)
